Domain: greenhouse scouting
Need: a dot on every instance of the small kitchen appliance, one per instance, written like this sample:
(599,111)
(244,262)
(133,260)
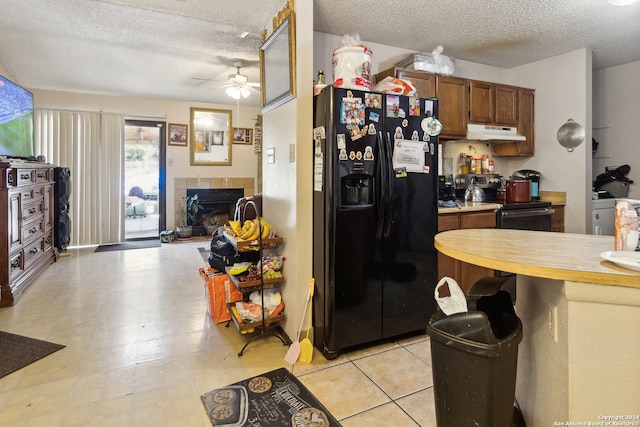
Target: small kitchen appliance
(534,177)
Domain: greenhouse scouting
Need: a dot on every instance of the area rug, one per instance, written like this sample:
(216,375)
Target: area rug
(17,351)
(272,399)
(134,244)
(204,253)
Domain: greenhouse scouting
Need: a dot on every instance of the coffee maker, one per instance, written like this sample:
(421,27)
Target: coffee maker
(534,177)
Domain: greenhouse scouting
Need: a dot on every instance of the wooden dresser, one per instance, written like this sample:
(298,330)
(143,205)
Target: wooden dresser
(26,226)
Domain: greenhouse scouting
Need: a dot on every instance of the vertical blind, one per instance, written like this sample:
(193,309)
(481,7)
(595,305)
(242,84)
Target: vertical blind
(91,145)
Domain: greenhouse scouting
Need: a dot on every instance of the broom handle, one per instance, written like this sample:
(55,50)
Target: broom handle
(310,310)
(306,306)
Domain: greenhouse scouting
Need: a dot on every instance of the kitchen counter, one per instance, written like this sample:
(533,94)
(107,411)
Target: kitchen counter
(470,207)
(578,359)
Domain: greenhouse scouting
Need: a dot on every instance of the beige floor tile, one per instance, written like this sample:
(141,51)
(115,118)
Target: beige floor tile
(421,407)
(344,390)
(398,372)
(140,350)
(422,349)
(387,415)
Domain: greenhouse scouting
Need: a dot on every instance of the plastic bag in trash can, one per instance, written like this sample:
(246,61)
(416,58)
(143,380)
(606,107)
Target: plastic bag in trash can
(456,302)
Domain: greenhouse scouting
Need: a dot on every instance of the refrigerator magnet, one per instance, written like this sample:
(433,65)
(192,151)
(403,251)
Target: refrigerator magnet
(431,126)
(341,141)
(368,153)
(400,172)
(414,106)
(343,154)
(414,136)
(405,123)
(428,108)
(398,134)
(373,100)
(393,106)
(374,117)
(372,129)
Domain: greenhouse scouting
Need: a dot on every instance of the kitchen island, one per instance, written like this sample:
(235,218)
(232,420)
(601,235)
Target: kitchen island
(578,360)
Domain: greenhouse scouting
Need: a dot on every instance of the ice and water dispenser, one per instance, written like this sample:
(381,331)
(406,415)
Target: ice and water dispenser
(356,190)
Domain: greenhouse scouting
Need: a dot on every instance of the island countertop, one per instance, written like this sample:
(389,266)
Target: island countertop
(561,256)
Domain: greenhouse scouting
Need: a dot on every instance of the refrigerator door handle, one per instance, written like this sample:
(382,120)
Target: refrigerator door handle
(383,185)
(389,189)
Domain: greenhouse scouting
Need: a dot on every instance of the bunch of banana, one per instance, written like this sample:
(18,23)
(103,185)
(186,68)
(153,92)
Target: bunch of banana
(253,229)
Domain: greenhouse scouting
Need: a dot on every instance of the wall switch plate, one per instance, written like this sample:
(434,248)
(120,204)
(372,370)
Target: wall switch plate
(271,155)
(169,162)
(292,153)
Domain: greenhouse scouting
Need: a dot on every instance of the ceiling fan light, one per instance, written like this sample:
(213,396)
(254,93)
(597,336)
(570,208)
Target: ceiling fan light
(244,92)
(233,92)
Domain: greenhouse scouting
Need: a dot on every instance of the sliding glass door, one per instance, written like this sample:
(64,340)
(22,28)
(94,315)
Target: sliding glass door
(144,186)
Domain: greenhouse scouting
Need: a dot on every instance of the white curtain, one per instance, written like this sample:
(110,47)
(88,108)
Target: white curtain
(91,145)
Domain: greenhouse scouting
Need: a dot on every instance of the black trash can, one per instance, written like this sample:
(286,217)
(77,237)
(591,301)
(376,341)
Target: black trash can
(474,357)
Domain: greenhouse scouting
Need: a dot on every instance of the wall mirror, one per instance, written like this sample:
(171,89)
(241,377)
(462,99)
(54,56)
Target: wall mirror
(278,65)
(210,137)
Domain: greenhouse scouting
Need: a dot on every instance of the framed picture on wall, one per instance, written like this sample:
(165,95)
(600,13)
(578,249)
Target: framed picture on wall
(242,136)
(178,134)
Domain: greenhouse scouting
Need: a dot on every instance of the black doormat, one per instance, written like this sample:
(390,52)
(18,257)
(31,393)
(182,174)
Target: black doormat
(134,244)
(17,351)
(274,399)
(204,253)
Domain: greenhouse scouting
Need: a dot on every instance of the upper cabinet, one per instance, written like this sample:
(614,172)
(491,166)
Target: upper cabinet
(525,128)
(453,106)
(462,101)
(493,104)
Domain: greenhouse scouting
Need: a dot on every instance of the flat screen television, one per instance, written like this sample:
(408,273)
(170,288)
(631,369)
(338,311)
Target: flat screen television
(16,120)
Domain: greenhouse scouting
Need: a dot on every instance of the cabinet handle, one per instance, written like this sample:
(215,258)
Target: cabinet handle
(32,210)
(33,230)
(34,250)
(24,176)
(15,263)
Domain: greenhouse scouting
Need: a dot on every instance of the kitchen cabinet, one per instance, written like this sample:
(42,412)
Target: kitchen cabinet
(493,104)
(26,200)
(465,274)
(462,101)
(526,110)
(453,106)
(557,219)
(424,83)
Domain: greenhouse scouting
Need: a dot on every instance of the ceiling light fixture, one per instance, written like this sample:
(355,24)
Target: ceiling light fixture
(621,2)
(237,92)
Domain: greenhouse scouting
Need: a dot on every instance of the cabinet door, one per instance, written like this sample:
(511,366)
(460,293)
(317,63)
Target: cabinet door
(424,83)
(453,106)
(557,219)
(47,208)
(506,105)
(15,220)
(525,127)
(481,102)
(478,220)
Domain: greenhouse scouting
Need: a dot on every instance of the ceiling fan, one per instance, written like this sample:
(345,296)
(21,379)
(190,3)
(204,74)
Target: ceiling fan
(238,85)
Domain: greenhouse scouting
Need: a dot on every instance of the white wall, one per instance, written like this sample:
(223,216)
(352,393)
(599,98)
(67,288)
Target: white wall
(244,159)
(563,91)
(616,103)
(287,201)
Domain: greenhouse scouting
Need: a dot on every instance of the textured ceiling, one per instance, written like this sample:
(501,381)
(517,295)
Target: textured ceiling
(185,49)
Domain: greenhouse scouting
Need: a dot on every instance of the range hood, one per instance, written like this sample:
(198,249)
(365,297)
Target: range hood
(493,133)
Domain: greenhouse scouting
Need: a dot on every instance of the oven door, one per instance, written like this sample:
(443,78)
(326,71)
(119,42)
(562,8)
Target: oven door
(524,218)
(537,219)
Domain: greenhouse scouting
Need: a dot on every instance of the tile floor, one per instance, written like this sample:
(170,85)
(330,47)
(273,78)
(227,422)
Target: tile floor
(141,350)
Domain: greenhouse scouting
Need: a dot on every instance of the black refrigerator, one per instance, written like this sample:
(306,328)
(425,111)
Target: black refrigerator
(375,216)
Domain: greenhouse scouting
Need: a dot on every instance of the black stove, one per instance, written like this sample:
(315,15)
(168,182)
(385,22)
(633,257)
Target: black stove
(526,205)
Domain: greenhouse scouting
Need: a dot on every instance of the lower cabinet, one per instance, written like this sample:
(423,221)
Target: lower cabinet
(465,274)
(557,219)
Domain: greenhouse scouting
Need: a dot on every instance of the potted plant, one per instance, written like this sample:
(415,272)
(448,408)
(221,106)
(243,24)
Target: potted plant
(190,207)
(212,225)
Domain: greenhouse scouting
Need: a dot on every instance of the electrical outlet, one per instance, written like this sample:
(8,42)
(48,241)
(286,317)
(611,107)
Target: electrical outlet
(553,321)
(292,153)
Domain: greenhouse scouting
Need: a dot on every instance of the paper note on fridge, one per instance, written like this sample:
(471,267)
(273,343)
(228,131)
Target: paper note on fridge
(409,155)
